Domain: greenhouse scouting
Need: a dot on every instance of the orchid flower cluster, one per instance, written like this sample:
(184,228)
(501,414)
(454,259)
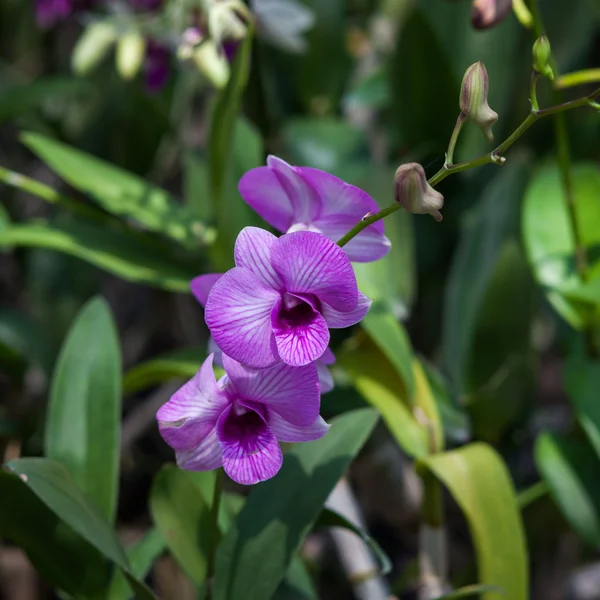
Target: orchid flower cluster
(269,318)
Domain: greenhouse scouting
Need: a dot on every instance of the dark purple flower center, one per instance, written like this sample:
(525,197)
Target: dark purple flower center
(244,425)
(296,311)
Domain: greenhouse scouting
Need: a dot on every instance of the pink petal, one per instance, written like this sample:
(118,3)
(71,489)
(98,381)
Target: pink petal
(301,337)
(202,285)
(293,392)
(340,198)
(205,456)
(369,245)
(193,410)
(262,190)
(326,382)
(285,431)
(310,263)
(238,314)
(339,320)
(253,252)
(304,199)
(250,451)
(328,357)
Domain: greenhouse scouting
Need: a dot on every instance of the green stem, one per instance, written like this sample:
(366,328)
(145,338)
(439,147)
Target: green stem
(454,138)
(496,156)
(215,533)
(533,91)
(578,78)
(531,494)
(522,13)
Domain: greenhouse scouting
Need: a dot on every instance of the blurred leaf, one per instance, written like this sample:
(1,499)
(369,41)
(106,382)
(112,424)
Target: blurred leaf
(183,362)
(331,518)
(34,94)
(424,399)
(120,192)
(297,584)
(547,235)
(223,118)
(141,557)
(196,188)
(480,484)
(371,92)
(255,553)
(121,254)
(420,74)
(471,590)
(183,519)
(389,281)
(5,221)
(83,425)
(570,469)
(380,385)
(582,383)
(51,483)
(62,557)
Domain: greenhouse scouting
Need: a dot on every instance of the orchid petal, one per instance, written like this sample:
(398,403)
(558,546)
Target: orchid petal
(253,252)
(238,314)
(285,431)
(202,285)
(339,320)
(326,382)
(205,456)
(328,357)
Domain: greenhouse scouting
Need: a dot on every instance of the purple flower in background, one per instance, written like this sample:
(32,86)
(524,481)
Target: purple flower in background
(280,299)
(145,5)
(237,421)
(156,66)
(201,287)
(50,12)
(300,198)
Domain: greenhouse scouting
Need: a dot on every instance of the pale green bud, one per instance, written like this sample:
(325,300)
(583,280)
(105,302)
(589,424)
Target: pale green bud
(225,22)
(541,57)
(473,99)
(212,63)
(93,45)
(131,49)
(413,192)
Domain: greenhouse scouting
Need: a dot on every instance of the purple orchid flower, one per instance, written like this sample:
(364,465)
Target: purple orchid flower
(201,287)
(50,12)
(237,421)
(279,301)
(300,198)
(156,66)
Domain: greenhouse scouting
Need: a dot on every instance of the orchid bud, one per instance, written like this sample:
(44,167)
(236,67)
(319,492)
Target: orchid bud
(541,57)
(414,194)
(225,22)
(212,63)
(473,99)
(131,49)
(488,13)
(92,47)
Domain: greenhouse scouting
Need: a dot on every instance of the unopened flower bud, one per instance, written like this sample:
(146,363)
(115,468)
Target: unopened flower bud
(225,22)
(131,49)
(190,39)
(212,63)
(488,13)
(414,194)
(473,99)
(92,47)
(541,57)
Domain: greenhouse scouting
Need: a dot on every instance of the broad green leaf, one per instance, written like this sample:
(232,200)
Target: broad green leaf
(331,518)
(196,188)
(121,254)
(51,483)
(83,425)
(376,380)
(471,590)
(425,401)
(61,556)
(480,484)
(548,237)
(254,555)
(297,584)
(121,193)
(183,519)
(420,75)
(223,118)
(570,469)
(141,556)
(184,362)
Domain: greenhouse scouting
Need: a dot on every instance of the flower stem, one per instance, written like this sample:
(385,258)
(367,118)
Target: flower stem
(522,13)
(496,156)
(215,533)
(533,91)
(454,138)
(577,78)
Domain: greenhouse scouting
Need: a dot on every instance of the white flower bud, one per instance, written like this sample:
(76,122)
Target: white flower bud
(473,99)
(414,194)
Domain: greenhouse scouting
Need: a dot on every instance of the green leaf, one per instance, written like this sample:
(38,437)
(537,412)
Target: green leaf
(183,362)
(51,483)
(297,584)
(371,92)
(480,484)
(114,251)
(83,426)
(380,385)
(62,558)
(254,555)
(120,192)
(471,590)
(141,557)
(183,519)
(196,188)
(548,237)
(331,518)
(224,115)
(570,469)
